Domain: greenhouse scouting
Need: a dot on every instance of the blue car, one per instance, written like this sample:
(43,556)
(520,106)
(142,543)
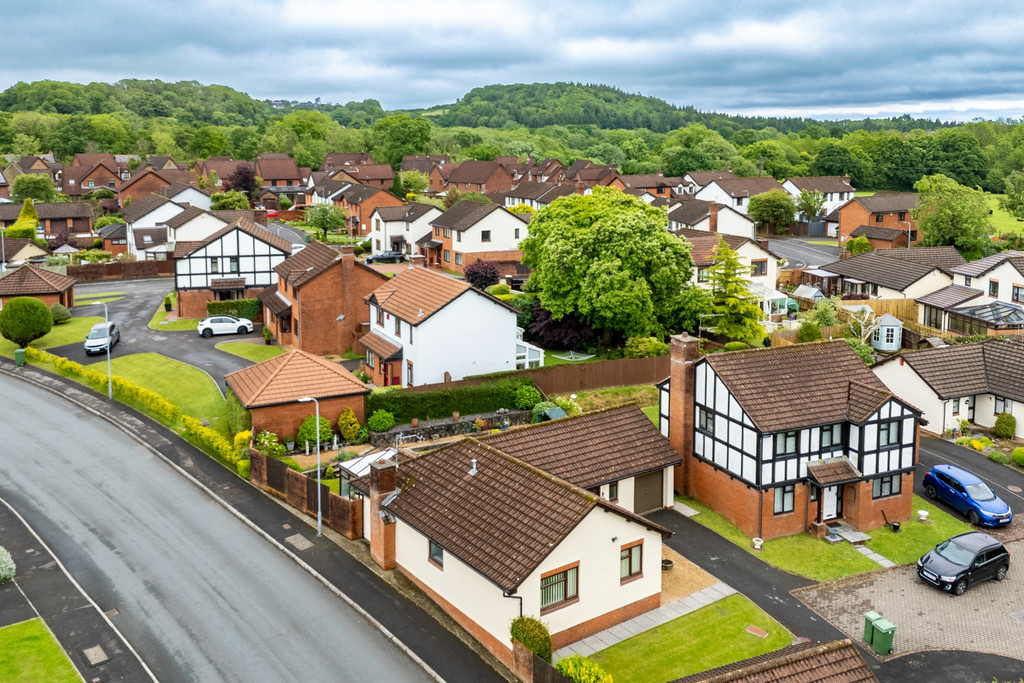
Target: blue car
(968,494)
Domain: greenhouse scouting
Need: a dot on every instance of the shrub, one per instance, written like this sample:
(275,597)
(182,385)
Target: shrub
(861,349)
(1018,456)
(533,634)
(329,472)
(645,347)
(242,444)
(284,201)
(362,376)
(240,308)
(308,432)
(976,444)
(1001,458)
(268,444)
(569,405)
(59,313)
(243,468)
(348,425)
(582,670)
(527,397)
(481,274)
(239,419)
(7,568)
(266,334)
(380,421)
(104,221)
(364,434)
(963,440)
(25,319)
(541,407)
(209,440)
(440,403)
(169,300)
(1005,427)
(736,346)
(499,289)
(809,332)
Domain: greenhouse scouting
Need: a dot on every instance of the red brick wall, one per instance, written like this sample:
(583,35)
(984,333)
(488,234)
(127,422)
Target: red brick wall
(66,300)
(192,302)
(681,388)
(144,186)
(508,255)
(864,513)
(295,489)
(606,620)
(285,420)
(853,215)
(382,536)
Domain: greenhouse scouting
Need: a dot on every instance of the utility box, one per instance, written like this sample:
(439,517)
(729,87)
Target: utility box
(869,625)
(881,639)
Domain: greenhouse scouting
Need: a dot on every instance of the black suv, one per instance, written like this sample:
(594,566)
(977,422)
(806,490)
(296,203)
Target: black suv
(386,257)
(963,561)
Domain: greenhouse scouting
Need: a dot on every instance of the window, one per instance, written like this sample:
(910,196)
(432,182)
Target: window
(447,255)
(933,317)
(613,491)
(831,436)
(1018,294)
(993,288)
(559,588)
(447,233)
(784,499)
(485,235)
(436,554)
(378,245)
(631,562)
(961,324)
(1003,405)
(876,336)
(458,259)
(233,264)
(705,421)
(890,335)
(377,228)
(702,274)
(901,216)
(408,373)
(380,316)
(398,327)
(786,443)
(411,328)
(110,183)
(739,201)
(759,268)
(967,280)
(813,493)
(517,233)
(956,406)
(437,231)
(886,486)
(92,183)
(879,217)
(214,265)
(458,237)
(369,359)
(888,433)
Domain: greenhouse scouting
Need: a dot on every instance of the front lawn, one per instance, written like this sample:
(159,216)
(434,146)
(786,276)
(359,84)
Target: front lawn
(1001,219)
(74,330)
(710,637)
(652,414)
(93,297)
(549,358)
(915,538)
(159,322)
(29,653)
(257,353)
(596,399)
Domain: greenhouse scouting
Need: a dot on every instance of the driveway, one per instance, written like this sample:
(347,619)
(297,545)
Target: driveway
(801,253)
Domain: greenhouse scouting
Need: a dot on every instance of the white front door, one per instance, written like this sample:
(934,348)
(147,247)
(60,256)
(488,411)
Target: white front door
(829,503)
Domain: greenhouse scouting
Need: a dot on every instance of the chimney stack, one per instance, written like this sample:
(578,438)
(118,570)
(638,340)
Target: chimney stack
(713,217)
(383,481)
(417,260)
(685,351)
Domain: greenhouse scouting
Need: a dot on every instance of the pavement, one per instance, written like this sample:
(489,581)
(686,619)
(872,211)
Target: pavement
(801,253)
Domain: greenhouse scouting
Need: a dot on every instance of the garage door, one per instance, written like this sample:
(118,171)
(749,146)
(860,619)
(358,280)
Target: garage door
(647,492)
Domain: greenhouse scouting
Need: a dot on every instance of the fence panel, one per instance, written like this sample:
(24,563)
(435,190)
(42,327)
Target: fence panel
(275,474)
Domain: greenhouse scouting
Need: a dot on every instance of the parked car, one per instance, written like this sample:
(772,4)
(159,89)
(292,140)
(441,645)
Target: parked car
(968,494)
(271,213)
(224,324)
(101,336)
(963,561)
(386,257)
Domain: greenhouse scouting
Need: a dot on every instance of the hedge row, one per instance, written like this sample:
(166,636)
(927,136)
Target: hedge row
(209,440)
(438,403)
(240,308)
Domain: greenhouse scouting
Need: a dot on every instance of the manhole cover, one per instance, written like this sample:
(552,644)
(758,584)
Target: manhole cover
(1015,489)
(299,542)
(95,655)
(111,612)
(286,526)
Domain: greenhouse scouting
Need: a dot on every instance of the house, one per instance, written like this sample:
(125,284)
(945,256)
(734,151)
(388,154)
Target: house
(698,179)
(282,177)
(115,238)
(473,231)
(42,164)
(147,180)
(986,297)
(272,390)
(438,177)
(146,213)
(5,187)
(736,192)
(216,170)
(70,218)
(18,250)
(837,662)
(373,175)
(360,201)
(890,210)
(973,382)
(881,274)
(550,170)
(696,214)
(480,176)
(835,190)
(787,439)
(45,285)
(180,193)
(90,172)
(654,183)
(537,195)
(489,537)
(396,228)
(424,163)
(342,159)
(317,304)
(236,262)
(641,482)
(427,327)
(194,224)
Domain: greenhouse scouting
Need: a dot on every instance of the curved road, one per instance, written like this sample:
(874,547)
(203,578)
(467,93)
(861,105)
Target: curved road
(197,592)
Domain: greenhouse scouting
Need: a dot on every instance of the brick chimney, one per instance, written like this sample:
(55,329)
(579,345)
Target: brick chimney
(382,533)
(581,187)
(685,351)
(846,178)
(418,260)
(713,217)
(259,216)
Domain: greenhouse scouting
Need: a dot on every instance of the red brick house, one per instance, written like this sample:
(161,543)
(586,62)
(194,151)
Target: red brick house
(149,181)
(374,175)
(271,391)
(45,285)
(54,217)
(223,167)
(361,201)
(317,304)
(886,218)
(654,183)
(91,172)
(342,159)
(480,176)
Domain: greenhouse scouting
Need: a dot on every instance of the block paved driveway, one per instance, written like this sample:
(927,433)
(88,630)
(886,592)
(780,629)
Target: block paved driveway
(989,617)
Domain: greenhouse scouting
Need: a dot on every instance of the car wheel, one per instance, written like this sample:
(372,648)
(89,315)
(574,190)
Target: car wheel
(960,587)
(1001,574)
(929,491)
(243,330)
(207,332)
(973,517)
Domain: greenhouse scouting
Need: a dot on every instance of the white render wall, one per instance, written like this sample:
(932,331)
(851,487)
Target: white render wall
(159,215)
(713,193)
(502,225)
(412,231)
(256,261)
(903,382)
(833,200)
(193,197)
(197,229)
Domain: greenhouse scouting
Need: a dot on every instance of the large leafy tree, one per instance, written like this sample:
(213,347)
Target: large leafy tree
(607,259)
(1014,183)
(774,207)
(243,179)
(734,310)
(37,186)
(810,204)
(949,214)
(326,217)
(232,199)
(395,136)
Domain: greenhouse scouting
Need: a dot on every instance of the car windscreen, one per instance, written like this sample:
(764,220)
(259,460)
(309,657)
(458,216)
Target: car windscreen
(98,334)
(980,491)
(955,553)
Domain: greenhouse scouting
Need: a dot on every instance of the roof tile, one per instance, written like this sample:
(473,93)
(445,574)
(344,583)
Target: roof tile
(289,377)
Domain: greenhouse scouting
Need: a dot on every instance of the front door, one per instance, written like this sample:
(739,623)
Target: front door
(830,503)
(970,408)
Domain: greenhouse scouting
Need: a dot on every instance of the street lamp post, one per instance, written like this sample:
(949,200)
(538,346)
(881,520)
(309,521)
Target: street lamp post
(106,319)
(909,229)
(319,517)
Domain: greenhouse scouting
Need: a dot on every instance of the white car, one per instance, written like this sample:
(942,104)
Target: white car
(224,324)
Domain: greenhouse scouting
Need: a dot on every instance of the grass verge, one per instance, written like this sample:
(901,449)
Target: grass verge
(29,653)
(157,322)
(1000,218)
(74,330)
(916,538)
(710,637)
(257,353)
(91,298)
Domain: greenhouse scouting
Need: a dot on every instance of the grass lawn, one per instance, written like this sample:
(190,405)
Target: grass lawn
(29,653)
(710,637)
(185,386)
(180,325)
(827,243)
(652,414)
(549,359)
(1000,219)
(915,538)
(257,353)
(596,399)
(92,298)
(74,330)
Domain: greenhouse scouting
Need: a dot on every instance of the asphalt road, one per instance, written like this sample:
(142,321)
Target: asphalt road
(197,593)
(799,253)
(998,477)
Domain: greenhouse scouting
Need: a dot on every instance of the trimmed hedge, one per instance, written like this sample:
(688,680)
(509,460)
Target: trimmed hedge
(209,440)
(438,403)
(1006,426)
(580,669)
(241,442)
(60,313)
(533,634)
(243,468)
(240,308)
(239,419)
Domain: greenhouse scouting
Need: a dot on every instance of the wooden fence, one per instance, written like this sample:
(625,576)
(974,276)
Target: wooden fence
(127,270)
(789,337)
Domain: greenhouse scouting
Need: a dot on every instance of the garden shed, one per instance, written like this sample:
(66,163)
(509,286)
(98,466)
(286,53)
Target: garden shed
(45,285)
(889,335)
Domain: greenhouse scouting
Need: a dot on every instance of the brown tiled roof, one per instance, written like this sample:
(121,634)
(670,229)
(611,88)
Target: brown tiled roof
(946,258)
(227,283)
(140,206)
(29,281)
(289,377)
(356,193)
(949,296)
(747,187)
(877,232)
(276,302)
(157,236)
(591,449)
(835,662)
(888,202)
(276,167)
(648,180)
(48,210)
(465,215)
(222,166)
(335,159)
(475,172)
(183,249)
(802,385)
(503,520)
(993,366)
(690,211)
(415,294)
(983,265)
(93,159)
(248,227)
(878,269)
(177,188)
(832,470)
(371,172)
(381,347)
(702,178)
(232,215)
(406,212)
(184,217)
(825,183)
(304,265)
(705,244)
(12,245)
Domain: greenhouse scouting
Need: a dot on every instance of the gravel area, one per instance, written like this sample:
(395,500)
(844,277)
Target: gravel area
(683,579)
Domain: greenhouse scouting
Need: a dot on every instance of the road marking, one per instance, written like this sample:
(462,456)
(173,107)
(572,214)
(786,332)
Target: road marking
(979,476)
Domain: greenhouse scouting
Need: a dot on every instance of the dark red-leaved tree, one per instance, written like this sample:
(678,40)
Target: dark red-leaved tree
(481,274)
(243,180)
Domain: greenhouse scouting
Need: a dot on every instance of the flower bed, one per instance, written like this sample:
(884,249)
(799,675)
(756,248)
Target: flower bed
(447,427)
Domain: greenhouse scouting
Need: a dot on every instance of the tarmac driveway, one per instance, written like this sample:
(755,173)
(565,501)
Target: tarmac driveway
(989,617)
(132,315)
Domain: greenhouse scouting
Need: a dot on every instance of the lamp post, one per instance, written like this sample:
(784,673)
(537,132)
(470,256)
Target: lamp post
(909,229)
(110,387)
(319,518)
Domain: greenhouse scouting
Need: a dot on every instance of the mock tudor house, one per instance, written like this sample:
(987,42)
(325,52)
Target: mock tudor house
(317,303)
(736,192)
(473,231)
(489,538)
(236,262)
(396,228)
(890,210)
(973,382)
(785,440)
(696,214)
(835,190)
(427,327)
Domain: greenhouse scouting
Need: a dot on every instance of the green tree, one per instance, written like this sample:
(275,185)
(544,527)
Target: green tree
(858,245)
(232,199)
(836,159)
(37,186)
(326,217)
(25,319)
(810,204)
(348,425)
(608,259)
(734,310)
(774,207)
(414,181)
(395,136)
(949,214)
(1014,187)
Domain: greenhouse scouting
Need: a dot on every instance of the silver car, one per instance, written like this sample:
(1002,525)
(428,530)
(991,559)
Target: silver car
(101,336)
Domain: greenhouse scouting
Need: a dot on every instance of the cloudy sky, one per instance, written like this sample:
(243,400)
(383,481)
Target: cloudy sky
(935,58)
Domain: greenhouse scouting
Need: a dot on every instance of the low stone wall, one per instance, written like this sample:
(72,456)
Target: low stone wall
(445,427)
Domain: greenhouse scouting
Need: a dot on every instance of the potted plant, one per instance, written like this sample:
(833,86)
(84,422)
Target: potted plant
(266,335)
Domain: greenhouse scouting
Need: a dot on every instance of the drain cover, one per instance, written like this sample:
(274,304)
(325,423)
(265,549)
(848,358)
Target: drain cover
(1015,489)
(111,612)
(299,542)
(95,655)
